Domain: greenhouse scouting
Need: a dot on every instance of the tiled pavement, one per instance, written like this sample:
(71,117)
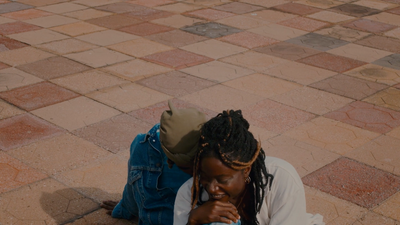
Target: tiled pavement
(319,81)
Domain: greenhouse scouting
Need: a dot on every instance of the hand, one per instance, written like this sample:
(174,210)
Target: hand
(109,206)
(214,211)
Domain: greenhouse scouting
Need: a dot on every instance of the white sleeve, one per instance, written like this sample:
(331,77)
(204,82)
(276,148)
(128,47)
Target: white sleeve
(183,204)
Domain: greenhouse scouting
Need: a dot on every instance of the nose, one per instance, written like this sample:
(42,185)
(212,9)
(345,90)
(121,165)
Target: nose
(212,187)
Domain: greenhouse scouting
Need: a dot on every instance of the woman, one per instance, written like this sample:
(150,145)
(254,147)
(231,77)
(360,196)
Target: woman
(234,182)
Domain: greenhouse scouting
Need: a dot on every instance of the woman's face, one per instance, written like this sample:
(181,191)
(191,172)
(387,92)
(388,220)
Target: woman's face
(221,182)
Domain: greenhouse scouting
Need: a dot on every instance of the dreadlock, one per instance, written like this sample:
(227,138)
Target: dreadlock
(227,137)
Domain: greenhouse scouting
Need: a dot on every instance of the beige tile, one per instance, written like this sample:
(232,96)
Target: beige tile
(7,110)
(136,69)
(214,49)
(59,154)
(139,47)
(312,100)
(12,78)
(359,52)
(177,21)
(223,98)
(128,97)
(208,3)
(51,21)
(323,4)
(243,22)
(23,56)
(331,17)
(299,73)
(62,7)
(261,134)
(87,14)
(371,218)
(395,133)
(262,85)
(393,33)
(266,3)
(270,15)
(385,17)
(95,2)
(343,33)
(388,98)
(376,73)
(381,5)
(67,46)
(107,37)
(99,57)
(75,113)
(304,157)
(100,217)
(44,202)
(38,36)
(391,207)
(88,81)
(178,7)
(76,29)
(278,32)
(5,20)
(332,135)
(217,71)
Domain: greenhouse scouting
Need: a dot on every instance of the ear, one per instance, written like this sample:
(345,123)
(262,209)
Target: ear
(246,171)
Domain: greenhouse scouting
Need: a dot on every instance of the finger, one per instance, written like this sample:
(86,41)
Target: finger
(224,220)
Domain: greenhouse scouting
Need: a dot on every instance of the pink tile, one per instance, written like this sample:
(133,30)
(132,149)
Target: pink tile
(151,3)
(395,11)
(16,27)
(296,8)
(249,40)
(238,7)
(354,182)
(332,62)
(24,129)
(3,66)
(9,44)
(144,29)
(209,14)
(303,23)
(121,7)
(177,59)
(367,116)
(148,14)
(26,14)
(369,26)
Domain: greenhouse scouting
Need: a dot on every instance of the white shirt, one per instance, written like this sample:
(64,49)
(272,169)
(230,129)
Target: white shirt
(285,203)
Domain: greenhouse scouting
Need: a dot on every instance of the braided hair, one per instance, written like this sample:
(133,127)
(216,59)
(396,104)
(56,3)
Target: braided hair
(227,137)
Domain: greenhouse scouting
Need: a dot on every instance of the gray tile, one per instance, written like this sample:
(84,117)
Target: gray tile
(391,61)
(317,41)
(12,7)
(355,10)
(211,30)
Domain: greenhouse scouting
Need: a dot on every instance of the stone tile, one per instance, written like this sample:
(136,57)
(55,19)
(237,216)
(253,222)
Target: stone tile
(395,33)
(342,33)
(271,16)
(254,60)
(114,134)
(114,21)
(296,8)
(16,174)
(87,14)
(394,11)
(120,7)
(335,63)
(287,51)
(299,73)
(262,85)
(67,46)
(278,32)
(359,52)
(10,44)
(76,113)
(386,18)
(59,154)
(136,69)
(176,38)
(214,49)
(99,57)
(303,23)
(371,218)
(367,116)
(41,2)
(209,14)
(151,3)
(390,208)
(177,21)
(317,41)
(149,14)
(144,29)
(369,26)
(95,3)
(211,29)
(24,129)
(266,3)
(383,43)
(88,81)
(38,36)
(322,4)
(391,61)
(261,133)
(128,97)
(331,17)
(354,182)
(274,116)
(16,27)
(375,4)
(45,202)
(217,71)
(332,135)
(53,67)
(23,55)
(304,157)
(37,95)
(139,47)
(26,14)
(248,40)
(12,78)
(388,98)
(179,7)
(13,7)
(7,110)
(176,83)
(62,7)
(349,86)
(100,217)
(51,21)
(221,98)
(238,7)
(243,22)
(354,10)
(3,66)
(177,59)
(76,29)
(107,37)
(4,20)
(376,73)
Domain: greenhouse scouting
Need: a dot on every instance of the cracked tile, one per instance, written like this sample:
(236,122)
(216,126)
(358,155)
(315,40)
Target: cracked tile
(390,208)
(317,41)
(376,73)
(342,33)
(388,98)
(211,29)
(176,38)
(177,59)
(12,78)
(287,51)
(374,218)
(213,49)
(7,110)
(99,57)
(391,61)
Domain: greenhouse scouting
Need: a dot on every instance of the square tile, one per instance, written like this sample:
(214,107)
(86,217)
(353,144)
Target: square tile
(376,73)
(272,16)
(322,4)
(243,22)
(375,4)
(114,134)
(37,95)
(99,57)
(287,51)
(330,17)
(303,23)
(367,116)
(76,29)
(359,52)
(63,47)
(214,49)
(51,21)
(342,33)
(16,27)
(13,78)
(369,26)
(3,66)
(7,110)
(95,3)
(179,7)
(10,44)
(106,37)
(354,182)
(151,3)
(394,11)
(114,21)
(386,18)
(177,21)
(296,8)
(53,67)
(266,3)
(335,63)
(176,83)
(120,7)
(24,129)
(278,32)
(42,2)
(144,29)
(317,41)
(62,7)
(147,14)
(274,116)
(354,10)
(176,38)
(391,61)
(139,47)
(374,218)
(75,113)
(209,14)
(100,216)
(217,71)
(211,29)
(395,33)
(349,86)
(38,36)
(248,39)
(238,7)
(15,174)
(4,20)
(332,135)
(388,98)
(390,208)
(177,59)
(26,14)
(23,55)
(13,7)
(87,14)
(383,43)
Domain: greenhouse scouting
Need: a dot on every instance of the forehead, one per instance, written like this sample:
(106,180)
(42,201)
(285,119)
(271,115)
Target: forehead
(212,166)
